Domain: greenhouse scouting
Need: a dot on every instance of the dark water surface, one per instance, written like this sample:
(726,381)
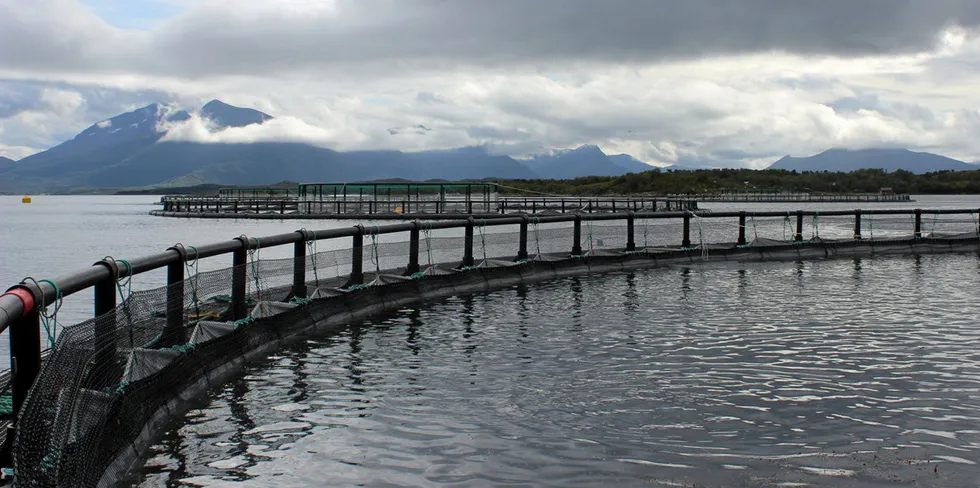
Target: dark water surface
(826,373)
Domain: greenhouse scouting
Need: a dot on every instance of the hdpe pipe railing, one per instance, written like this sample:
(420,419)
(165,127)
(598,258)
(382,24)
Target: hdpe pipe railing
(21,305)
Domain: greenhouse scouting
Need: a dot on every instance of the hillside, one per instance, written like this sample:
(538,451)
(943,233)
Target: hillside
(585,161)
(844,160)
(128,151)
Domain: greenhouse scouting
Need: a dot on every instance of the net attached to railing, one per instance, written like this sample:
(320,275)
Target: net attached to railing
(106,379)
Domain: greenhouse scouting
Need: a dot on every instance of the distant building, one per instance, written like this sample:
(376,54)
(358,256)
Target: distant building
(885,190)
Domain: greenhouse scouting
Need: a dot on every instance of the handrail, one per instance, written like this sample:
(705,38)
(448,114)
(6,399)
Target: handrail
(11,307)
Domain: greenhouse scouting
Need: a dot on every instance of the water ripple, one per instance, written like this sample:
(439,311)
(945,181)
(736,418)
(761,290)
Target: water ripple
(857,372)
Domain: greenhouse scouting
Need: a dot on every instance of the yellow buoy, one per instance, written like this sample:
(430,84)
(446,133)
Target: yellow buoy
(26,199)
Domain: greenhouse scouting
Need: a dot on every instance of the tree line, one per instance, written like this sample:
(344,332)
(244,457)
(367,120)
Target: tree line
(659,182)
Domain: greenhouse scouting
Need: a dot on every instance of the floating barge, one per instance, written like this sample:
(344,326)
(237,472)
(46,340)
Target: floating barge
(399,201)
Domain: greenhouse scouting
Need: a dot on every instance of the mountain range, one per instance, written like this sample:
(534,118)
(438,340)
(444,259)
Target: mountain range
(130,150)
(847,160)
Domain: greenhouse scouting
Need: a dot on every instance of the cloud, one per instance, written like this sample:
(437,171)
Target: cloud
(734,82)
(213,38)
(281,129)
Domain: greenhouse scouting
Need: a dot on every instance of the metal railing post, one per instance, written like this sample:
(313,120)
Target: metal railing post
(105,302)
(299,266)
(522,245)
(468,243)
(798,237)
(239,277)
(25,361)
(173,333)
(413,248)
(577,236)
(357,257)
(686,241)
(917,230)
(630,228)
(857,224)
(25,345)
(741,228)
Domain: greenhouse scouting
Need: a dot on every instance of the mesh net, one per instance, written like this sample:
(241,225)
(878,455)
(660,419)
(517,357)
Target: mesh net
(106,379)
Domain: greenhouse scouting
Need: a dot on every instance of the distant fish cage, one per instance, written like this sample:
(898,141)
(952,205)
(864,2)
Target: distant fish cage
(786,195)
(399,200)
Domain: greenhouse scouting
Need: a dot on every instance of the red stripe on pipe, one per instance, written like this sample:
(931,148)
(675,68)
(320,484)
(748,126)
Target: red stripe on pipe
(26,297)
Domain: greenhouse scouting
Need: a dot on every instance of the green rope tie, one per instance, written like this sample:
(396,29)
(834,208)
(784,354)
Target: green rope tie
(360,286)
(192,269)
(6,404)
(417,276)
(181,348)
(50,321)
(537,241)
(375,260)
(254,257)
(300,301)
(245,321)
(483,238)
(311,247)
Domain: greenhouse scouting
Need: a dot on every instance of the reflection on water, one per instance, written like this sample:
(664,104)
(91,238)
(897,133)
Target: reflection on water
(861,372)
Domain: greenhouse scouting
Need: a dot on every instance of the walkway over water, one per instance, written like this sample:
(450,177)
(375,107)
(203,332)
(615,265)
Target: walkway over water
(404,208)
(90,406)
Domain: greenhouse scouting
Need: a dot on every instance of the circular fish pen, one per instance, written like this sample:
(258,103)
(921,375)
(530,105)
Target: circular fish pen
(106,390)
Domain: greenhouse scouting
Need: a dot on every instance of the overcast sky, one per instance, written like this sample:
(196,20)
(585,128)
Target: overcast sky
(715,82)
